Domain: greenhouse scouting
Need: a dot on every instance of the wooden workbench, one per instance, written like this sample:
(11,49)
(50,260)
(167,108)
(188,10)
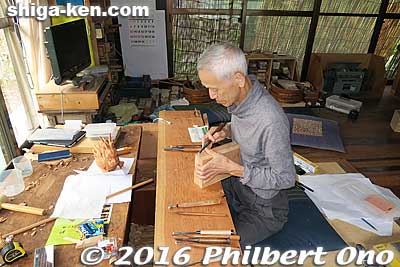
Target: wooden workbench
(46,193)
(175,185)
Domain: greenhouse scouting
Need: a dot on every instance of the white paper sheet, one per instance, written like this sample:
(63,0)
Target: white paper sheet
(95,170)
(117,183)
(334,202)
(80,198)
(113,183)
(73,124)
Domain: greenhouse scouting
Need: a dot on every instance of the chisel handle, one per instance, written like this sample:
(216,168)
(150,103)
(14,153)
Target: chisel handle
(25,209)
(231,237)
(216,232)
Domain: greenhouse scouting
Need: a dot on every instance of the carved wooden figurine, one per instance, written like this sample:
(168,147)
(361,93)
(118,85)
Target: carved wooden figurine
(106,155)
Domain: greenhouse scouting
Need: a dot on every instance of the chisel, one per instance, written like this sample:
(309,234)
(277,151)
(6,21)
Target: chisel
(205,241)
(206,232)
(208,214)
(196,204)
(199,245)
(206,144)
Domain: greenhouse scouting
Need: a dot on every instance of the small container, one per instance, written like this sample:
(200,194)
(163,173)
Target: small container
(11,182)
(24,165)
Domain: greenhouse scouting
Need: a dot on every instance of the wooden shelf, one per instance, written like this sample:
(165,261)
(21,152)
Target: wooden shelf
(270,59)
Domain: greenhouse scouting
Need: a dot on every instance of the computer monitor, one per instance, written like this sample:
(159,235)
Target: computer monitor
(68,49)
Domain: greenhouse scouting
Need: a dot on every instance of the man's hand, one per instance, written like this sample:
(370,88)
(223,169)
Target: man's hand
(218,136)
(218,165)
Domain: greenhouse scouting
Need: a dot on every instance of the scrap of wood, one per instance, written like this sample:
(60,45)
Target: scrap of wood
(88,242)
(230,150)
(58,162)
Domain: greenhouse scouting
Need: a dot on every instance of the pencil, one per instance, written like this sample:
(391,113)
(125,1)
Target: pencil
(373,227)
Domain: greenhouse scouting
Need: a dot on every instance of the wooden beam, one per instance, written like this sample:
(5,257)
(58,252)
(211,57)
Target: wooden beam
(310,39)
(392,16)
(170,39)
(202,11)
(278,13)
(378,26)
(243,19)
(333,14)
(230,150)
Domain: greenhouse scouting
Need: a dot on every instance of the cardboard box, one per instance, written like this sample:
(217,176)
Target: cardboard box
(375,64)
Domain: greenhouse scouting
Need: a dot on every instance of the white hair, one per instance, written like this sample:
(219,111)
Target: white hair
(223,60)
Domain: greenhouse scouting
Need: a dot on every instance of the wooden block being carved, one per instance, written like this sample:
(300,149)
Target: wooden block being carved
(230,150)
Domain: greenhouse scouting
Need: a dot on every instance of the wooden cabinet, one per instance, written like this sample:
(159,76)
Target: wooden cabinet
(60,102)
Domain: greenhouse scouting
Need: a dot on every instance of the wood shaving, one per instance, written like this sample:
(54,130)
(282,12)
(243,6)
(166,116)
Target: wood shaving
(42,225)
(29,187)
(34,229)
(25,233)
(3,219)
(33,233)
(51,207)
(22,204)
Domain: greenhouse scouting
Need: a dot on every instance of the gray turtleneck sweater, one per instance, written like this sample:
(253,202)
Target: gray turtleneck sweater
(262,130)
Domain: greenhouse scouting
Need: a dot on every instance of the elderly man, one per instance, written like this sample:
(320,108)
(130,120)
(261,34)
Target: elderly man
(255,194)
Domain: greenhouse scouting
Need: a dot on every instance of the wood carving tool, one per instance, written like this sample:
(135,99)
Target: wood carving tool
(29,227)
(201,214)
(19,208)
(206,232)
(199,245)
(205,240)
(124,150)
(231,237)
(185,148)
(207,143)
(303,186)
(196,204)
(130,188)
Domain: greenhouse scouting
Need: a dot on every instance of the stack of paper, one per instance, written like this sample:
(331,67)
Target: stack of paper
(52,134)
(343,197)
(97,130)
(84,195)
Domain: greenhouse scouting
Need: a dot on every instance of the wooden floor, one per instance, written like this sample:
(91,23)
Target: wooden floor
(371,145)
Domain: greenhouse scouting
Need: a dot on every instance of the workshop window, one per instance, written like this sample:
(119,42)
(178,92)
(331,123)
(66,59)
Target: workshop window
(207,4)
(389,46)
(194,33)
(343,34)
(12,95)
(287,5)
(394,6)
(285,35)
(346,6)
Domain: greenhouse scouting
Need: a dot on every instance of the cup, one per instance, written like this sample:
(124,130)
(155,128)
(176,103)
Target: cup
(11,182)
(24,165)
